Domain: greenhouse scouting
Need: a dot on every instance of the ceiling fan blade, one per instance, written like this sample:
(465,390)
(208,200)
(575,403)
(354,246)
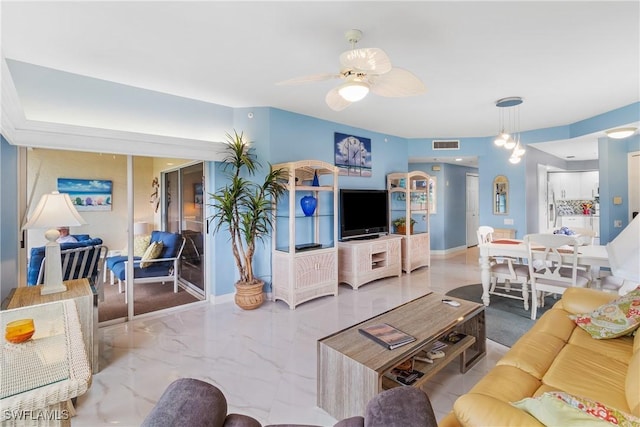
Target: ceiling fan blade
(309,79)
(366,59)
(335,101)
(397,83)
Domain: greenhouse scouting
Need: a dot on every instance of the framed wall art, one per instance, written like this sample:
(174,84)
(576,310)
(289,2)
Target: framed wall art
(88,194)
(352,155)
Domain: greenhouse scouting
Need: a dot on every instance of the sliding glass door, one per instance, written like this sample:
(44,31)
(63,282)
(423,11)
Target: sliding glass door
(185,197)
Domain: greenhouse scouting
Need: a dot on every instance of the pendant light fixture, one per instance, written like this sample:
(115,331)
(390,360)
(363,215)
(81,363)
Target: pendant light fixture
(509,127)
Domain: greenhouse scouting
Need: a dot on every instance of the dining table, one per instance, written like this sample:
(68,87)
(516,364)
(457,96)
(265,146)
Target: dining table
(588,255)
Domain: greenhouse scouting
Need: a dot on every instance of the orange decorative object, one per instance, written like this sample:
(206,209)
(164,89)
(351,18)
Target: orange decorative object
(19,331)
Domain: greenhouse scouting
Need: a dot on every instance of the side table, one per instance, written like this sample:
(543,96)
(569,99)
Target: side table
(39,376)
(78,290)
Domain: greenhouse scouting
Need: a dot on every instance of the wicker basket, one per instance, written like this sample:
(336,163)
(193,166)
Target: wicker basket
(249,296)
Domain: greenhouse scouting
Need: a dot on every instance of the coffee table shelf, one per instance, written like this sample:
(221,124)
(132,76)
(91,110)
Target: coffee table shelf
(430,369)
(352,367)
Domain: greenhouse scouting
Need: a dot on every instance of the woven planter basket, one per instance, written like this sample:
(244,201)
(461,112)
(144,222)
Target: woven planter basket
(249,296)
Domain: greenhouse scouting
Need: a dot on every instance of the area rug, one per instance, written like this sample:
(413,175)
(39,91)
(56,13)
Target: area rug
(506,318)
(148,297)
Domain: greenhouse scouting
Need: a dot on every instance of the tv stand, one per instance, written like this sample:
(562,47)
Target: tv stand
(363,261)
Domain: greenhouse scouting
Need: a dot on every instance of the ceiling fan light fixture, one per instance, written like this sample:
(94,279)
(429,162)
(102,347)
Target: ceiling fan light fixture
(354,91)
(620,133)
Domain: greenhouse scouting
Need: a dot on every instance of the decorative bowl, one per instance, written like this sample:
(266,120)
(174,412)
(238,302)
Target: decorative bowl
(19,331)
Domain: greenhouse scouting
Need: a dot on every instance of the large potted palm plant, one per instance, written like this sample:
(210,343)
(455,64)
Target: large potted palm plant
(243,208)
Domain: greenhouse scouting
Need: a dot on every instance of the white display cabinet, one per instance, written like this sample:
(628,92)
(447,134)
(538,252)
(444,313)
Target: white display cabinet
(409,199)
(304,245)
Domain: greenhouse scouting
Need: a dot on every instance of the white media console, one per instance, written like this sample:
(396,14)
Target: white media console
(363,261)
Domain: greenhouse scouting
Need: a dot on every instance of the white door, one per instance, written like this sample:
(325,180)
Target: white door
(473,221)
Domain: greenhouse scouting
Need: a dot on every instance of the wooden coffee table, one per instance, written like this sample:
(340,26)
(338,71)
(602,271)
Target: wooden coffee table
(352,367)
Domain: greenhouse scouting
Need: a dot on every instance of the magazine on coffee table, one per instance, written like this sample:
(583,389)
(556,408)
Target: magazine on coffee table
(387,335)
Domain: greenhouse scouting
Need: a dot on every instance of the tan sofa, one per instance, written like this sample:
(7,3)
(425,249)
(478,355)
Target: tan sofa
(555,355)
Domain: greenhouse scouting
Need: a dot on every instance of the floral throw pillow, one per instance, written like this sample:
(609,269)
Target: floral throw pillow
(598,410)
(613,319)
(561,409)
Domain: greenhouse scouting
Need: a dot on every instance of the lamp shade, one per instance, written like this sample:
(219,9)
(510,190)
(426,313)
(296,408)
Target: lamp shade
(140,228)
(54,210)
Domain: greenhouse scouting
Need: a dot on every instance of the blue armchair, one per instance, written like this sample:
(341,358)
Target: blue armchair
(162,269)
(80,259)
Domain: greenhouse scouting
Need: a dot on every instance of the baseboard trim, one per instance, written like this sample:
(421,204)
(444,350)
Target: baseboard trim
(221,299)
(448,253)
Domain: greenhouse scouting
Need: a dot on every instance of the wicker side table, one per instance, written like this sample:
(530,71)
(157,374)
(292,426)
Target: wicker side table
(39,376)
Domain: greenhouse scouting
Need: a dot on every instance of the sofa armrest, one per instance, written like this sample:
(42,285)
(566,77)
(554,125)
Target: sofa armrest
(480,410)
(584,300)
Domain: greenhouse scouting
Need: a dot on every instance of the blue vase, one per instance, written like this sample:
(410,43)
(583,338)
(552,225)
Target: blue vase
(308,204)
(315,182)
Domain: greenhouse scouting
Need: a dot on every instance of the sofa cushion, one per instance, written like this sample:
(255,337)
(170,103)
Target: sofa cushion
(556,322)
(155,269)
(618,349)
(580,300)
(613,319)
(478,410)
(152,252)
(553,411)
(583,372)
(37,255)
(632,384)
(507,383)
(534,352)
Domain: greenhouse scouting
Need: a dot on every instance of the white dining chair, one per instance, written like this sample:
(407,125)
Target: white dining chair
(506,271)
(553,266)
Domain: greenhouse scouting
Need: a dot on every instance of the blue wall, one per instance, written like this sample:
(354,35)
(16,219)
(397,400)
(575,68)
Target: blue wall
(448,225)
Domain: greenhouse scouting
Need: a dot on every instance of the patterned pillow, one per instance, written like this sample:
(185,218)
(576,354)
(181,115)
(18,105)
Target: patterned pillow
(153,252)
(613,319)
(140,244)
(556,408)
(598,410)
(552,411)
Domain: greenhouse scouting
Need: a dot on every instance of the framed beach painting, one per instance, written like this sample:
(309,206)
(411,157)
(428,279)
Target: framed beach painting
(88,194)
(352,155)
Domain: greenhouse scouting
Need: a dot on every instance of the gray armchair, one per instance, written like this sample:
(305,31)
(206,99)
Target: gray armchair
(190,402)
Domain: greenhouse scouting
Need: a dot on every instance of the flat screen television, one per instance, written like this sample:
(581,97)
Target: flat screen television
(363,213)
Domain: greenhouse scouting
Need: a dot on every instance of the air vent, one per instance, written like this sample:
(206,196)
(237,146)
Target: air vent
(446,145)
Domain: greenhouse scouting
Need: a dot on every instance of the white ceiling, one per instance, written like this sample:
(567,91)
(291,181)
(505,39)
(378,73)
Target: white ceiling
(569,60)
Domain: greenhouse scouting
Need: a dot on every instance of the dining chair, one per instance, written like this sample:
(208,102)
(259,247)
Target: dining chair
(485,234)
(553,266)
(506,271)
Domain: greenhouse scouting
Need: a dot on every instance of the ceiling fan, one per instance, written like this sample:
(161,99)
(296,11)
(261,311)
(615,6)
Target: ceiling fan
(364,70)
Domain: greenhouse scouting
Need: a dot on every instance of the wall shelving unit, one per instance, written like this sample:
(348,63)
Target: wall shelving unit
(304,247)
(409,198)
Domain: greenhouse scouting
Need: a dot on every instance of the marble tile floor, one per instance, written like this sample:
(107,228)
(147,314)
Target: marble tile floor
(263,360)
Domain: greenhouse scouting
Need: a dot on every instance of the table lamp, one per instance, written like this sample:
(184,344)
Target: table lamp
(54,210)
